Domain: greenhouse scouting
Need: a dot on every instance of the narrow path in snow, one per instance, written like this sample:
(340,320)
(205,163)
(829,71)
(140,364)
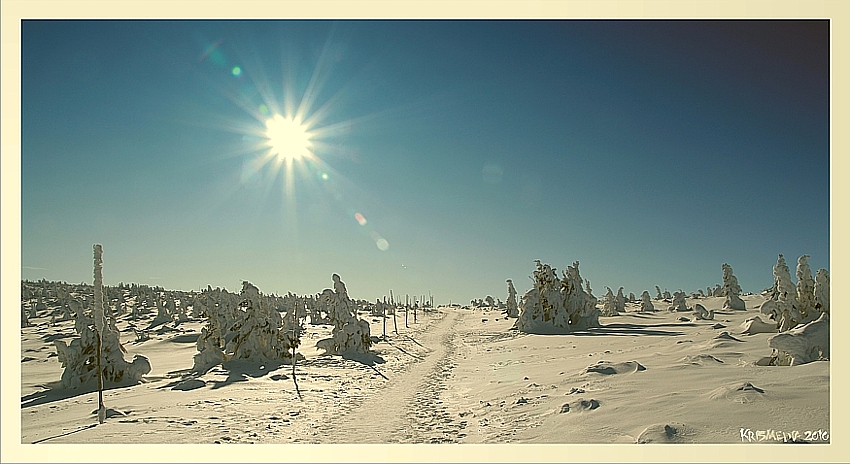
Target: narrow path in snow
(409,409)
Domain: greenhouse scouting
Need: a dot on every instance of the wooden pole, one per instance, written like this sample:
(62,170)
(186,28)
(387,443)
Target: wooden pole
(395,324)
(99,327)
(101,409)
(295,330)
(294,335)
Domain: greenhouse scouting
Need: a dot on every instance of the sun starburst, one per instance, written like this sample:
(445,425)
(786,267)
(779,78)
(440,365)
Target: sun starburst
(288,138)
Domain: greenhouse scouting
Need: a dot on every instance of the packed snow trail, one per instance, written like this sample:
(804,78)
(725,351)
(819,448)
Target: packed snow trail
(409,408)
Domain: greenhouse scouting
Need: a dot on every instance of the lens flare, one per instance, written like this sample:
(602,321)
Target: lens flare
(383,244)
(360,219)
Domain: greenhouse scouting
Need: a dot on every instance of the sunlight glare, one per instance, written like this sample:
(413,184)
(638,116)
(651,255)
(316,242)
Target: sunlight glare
(288,138)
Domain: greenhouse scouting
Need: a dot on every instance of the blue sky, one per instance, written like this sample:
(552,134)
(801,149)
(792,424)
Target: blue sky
(650,151)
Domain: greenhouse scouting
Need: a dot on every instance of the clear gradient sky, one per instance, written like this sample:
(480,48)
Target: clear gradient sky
(448,155)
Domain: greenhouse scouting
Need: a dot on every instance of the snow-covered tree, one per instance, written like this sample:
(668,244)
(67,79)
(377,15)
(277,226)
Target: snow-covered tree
(609,304)
(679,303)
(645,302)
(800,345)
(350,334)
(557,305)
(701,313)
(822,291)
(731,290)
(620,301)
(806,291)
(252,329)
(718,290)
(163,315)
(511,309)
(25,317)
(79,358)
(782,305)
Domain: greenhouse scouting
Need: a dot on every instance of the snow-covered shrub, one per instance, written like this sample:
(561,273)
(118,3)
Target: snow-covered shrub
(511,309)
(557,305)
(822,291)
(620,301)
(700,313)
(179,311)
(731,290)
(350,334)
(806,290)
(25,317)
(610,304)
(754,325)
(679,303)
(645,302)
(199,306)
(163,315)
(253,331)
(782,305)
(803,344)
(812,294)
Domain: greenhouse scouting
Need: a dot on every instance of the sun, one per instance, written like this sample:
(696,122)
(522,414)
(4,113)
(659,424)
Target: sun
(288,138)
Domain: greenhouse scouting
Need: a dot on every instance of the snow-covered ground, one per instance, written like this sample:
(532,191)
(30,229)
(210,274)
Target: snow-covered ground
(456,375)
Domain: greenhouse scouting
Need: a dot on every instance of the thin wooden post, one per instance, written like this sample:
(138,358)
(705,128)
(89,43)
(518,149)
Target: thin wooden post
(99,327)
(395,324)
(295,333)
(101,409)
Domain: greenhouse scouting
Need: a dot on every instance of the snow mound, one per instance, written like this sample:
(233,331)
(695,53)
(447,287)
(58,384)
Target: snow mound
(700,360)
(755,325)
(579,405)
(803,344)
(674,432)
(609,368)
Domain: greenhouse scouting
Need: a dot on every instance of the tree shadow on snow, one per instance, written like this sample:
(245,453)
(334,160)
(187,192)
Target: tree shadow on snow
(633,329)
(50,338)
(367,359)
(56,392)
(240,370)
(388,342)
(619,329)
